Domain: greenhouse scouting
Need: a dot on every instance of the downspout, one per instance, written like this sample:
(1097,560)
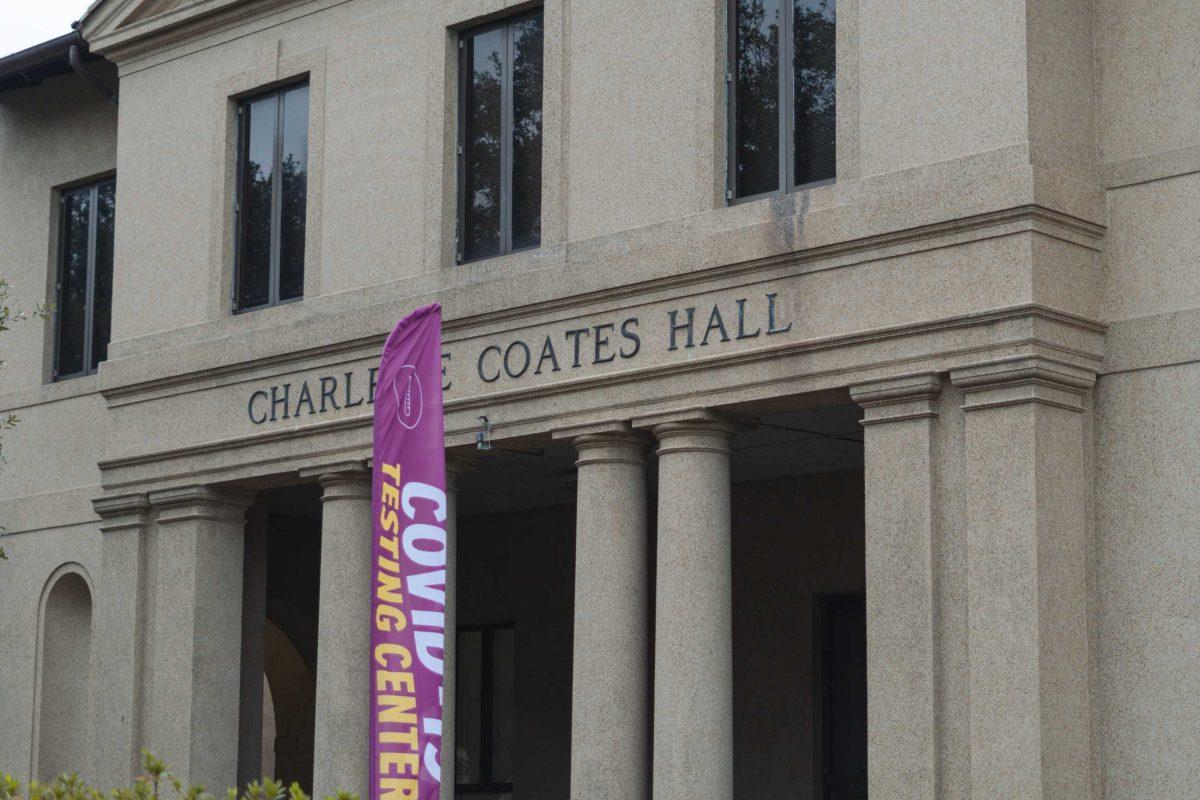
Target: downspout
(75,59)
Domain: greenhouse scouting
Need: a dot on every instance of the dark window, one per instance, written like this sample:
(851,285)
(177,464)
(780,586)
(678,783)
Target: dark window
(500,138)
(84,292)
(782,95)
(272,185)
(485,681)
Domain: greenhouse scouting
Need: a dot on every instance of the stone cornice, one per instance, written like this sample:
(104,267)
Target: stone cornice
(124,376)
(200,502)
(122,511)
(898,399)
(941,360)
(1024,379)
(361,349)
(108,33)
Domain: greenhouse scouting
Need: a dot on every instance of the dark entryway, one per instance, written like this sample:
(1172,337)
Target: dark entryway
(841,669)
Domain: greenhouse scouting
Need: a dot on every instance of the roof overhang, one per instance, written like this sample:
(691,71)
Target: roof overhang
(29,67)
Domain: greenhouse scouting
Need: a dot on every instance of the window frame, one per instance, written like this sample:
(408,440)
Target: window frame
(241,154)
(787,121)
(90,367)
(487,680)
(504,24)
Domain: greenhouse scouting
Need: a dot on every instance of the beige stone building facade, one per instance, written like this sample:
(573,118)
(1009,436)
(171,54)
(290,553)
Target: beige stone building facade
(819,387)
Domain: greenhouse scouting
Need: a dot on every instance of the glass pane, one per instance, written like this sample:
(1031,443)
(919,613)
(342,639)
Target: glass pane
(481,147)
(254,256)
(106,208)
(756,144)
(527,133)
(814,38)
(294,180)
(468,707)
(72,296)
(503,707)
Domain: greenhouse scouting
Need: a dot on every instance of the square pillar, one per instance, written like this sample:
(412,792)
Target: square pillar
(1028,492)
(120,631)
(900,462)
(194,669)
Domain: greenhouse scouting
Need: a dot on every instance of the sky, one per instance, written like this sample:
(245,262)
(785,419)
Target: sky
(24,23)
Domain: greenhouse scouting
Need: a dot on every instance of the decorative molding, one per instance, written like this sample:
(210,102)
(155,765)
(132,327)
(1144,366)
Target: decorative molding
(606,443)
(905,397)
(201,502)
(535,311)
(551,420)
(1156,167)
(696,430)
(1023,379)
(341,480)
(122,511)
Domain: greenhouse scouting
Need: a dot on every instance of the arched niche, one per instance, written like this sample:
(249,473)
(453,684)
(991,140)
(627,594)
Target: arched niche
(62,731)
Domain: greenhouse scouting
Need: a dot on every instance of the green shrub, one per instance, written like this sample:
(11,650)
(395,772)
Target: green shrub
(150,786)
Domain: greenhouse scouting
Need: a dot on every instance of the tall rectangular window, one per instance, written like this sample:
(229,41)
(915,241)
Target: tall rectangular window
(272,187)
(500,138)
(782,56)
(484,708)
(83,297)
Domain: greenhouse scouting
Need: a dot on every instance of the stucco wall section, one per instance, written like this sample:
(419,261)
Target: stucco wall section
(1146,53)
(1147,560)
(939,80)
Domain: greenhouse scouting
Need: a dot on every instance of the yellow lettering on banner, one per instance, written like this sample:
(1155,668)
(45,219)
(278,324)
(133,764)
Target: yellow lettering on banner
(383,615)
(407,763)
(389,589)
(398,788)
(397,708)
(385,649)
(394,681)
(388,564)
(392,545)
(389,520)
(408,737)
(392,471)
(391,495)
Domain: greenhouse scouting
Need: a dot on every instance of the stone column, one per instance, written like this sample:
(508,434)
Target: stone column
(693,644)
(197,631)
(900,456)
(610,696)
(455,466)
(1028,483)
(341,731)
(120,628)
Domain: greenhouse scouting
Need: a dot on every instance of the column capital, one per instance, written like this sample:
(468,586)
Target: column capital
(694,430)
(1023,379)
(606,443)
(122,511)
(201,502)
(904,397)
(341,480)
